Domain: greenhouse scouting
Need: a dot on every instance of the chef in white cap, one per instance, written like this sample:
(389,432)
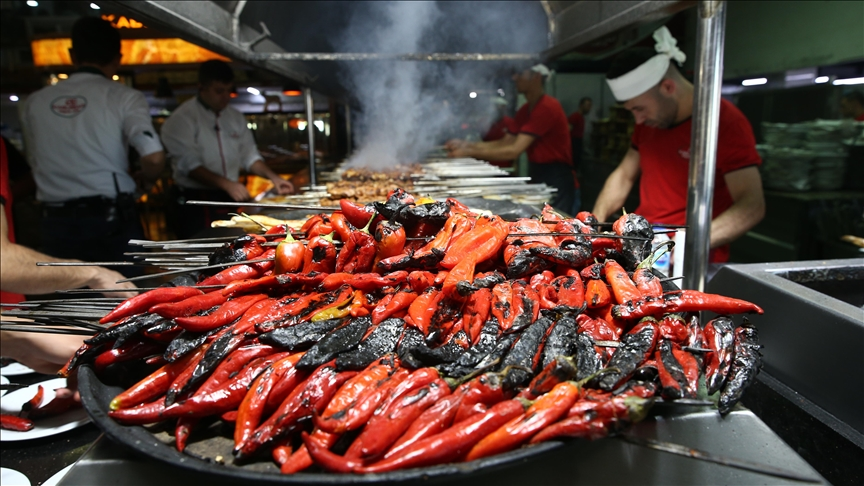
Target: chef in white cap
(646,82)
(541,131)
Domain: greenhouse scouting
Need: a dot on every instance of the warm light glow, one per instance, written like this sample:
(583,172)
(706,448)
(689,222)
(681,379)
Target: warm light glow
(754,82)
(821,79)
(63,76)
(301,125)
(252,90)
(115,78)
(94,6)
(32,3)
(319,124)
(233,95)
(55,52)
(848,81)
(292,92)
(123,22)
(14,97)
(472,94)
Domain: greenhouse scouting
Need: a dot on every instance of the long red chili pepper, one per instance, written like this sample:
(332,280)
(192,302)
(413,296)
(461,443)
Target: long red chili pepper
(434,420)
(420,311)
(254,403)
(190,306)
(356,214)
(545,411)
(341,225)
(142,302)
(232,274)
(232,364)
(225,314)
(475,312)
(155,384)
(126,352)
(301,459)
(623,288)
(334,418)
(13,422)
(695,301)
(420,280)
(33,403)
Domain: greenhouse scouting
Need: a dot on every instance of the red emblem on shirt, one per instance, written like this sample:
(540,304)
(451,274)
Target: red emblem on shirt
(69,106)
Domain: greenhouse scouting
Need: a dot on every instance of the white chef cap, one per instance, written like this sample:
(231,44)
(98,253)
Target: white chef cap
(649,73)
(542,69)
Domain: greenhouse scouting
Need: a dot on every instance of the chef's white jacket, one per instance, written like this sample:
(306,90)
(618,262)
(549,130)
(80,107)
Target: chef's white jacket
(196,136)
(77,135)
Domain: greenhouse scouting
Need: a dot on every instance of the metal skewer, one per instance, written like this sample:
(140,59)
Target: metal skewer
(49,314)
(135,289)
(681,450)
(193,269)
(86,264)
(10,326)
(589,235)
(262,205)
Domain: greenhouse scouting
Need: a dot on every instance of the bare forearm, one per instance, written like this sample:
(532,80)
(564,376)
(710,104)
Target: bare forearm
(493,151)
(612,196)
(19,273)
(737,220)
(152,165)
(261,169)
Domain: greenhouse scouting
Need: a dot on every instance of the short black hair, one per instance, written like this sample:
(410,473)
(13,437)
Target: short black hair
(95,41)
(584,99)
(629,60)
(215,70)
(854,96)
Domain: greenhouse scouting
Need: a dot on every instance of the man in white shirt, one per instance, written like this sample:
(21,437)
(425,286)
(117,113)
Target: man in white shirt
(208,143)
(77,137)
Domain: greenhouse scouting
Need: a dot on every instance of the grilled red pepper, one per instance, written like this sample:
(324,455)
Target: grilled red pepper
(570,291)
(623,288)
(320,255)
(290,256)
(274,283)
(33,403)
(142,302)
(695,301)
(719,338)
(356,214)
(307,399)
(233,364)
(226,313)
(190,306)
(451,444)
(127,352)
(598,419)
(367,282)
(479,394)
(182,430)
(155,384)
(434,420)
(390,239)
(421,311)
(232,274)
(544,412)
(341,225)
(475,313)
(420,280)
(254,403)
(678,371)
(360,306)
(390,304)
(301,459)
(13,422)
(597,294)
(335,416)
(673,328)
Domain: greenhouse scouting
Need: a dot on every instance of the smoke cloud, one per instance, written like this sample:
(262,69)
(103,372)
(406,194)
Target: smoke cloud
(408,108)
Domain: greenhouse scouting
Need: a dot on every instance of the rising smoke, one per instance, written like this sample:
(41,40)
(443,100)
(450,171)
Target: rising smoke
(406,107)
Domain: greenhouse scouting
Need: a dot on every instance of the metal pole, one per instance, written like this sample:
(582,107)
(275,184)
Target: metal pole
(710,35)
(348,129)
(310,130)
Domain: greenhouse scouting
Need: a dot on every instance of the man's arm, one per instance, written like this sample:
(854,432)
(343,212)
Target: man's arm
(508,148)
(617,186)
(748,208)
(281,185)
(207,177)
(152,165)
(19,273)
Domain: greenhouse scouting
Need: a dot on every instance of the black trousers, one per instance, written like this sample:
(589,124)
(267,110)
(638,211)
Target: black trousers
(558,175)
(576,145)
(92,229)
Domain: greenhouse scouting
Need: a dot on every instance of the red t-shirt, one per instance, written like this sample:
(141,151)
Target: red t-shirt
(860,117)
(577,125)
(664,158)
(496,132)
(6,200)
(547,122)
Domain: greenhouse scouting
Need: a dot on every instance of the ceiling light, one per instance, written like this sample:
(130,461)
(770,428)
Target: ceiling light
(754,82)
(63,76)
(292,92)
(252,90)
(32,3)
(799,77)
(13,98)
(115,77)
(472,94)
(94,6)
(821,79)
(848,81)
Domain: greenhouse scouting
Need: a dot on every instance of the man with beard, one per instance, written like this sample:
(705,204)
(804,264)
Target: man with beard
(648,84)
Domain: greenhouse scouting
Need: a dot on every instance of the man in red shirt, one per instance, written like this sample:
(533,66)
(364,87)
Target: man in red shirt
(505,126)
(852,105)
(577,130)
(542,133)
(661,99)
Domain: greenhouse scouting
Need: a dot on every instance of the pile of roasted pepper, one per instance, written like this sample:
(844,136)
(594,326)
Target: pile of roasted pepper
(409,333)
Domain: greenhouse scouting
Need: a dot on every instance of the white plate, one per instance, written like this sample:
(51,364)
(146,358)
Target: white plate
(3,381)
(11,477)
(15,369)
(11,403)
(53,480)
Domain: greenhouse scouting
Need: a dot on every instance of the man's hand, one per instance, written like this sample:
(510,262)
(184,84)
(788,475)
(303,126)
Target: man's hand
(237,191)
(457,148)
(44,353)
(104,278)
(282,186)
